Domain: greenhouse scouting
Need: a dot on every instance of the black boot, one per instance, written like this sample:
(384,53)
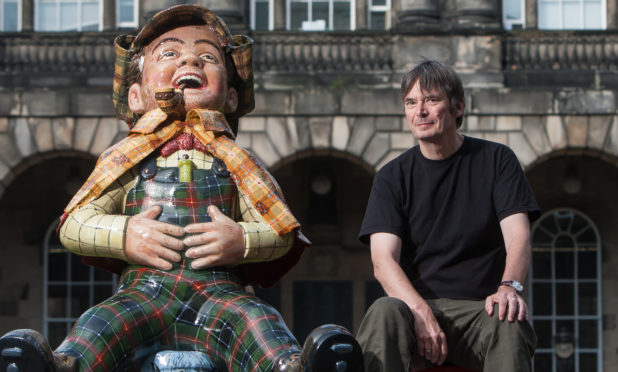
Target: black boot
(26,350)
(328,348)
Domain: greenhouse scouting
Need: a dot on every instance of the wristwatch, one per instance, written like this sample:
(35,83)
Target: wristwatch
(514,284)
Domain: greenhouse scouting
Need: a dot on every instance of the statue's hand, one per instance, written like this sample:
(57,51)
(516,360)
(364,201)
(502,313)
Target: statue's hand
(217,243)
(152,243)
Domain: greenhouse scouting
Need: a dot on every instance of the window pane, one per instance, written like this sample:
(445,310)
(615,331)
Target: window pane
(90,17)
(378,21)
(56,301)
(125,11)
(261,15)
(541,298)
(298,14)
(102,293)
(377,2)
(588,334)
(57,333)
(543,362)
(571,18)
(587,362)
(320,11)
(57,266)
(79,271)
(542,328)
(592,15)
(541,265)
(79,299)
(547,16)
(9,17)
(341,16)
(564,264)
(564,299)
(512,9)
(68,17)
(587,299)
(47,16)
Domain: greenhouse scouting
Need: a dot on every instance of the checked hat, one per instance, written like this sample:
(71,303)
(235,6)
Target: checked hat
(238,47)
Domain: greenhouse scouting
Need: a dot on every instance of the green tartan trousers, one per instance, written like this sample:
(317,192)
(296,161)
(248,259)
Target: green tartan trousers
(182,309)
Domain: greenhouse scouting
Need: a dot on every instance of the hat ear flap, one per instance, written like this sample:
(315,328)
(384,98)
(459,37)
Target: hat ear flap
(123,47)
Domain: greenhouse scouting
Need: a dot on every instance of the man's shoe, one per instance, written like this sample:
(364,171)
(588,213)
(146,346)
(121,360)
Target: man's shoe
(329,348)
(26,350)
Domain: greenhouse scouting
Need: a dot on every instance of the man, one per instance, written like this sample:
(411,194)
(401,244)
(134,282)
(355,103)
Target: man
(196,217)
(448,226)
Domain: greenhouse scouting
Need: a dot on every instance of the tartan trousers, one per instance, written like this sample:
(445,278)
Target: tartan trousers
(182,309)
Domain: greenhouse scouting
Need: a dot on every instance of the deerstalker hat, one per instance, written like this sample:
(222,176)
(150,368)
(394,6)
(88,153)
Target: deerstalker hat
(239,47)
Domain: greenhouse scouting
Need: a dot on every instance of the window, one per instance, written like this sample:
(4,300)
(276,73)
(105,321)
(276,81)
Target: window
(262,15)
(565,290)
(10,15)
(126,14)
(572,14)
(513,14)
(69,287)
(379,14)
(321,15)
(68,15)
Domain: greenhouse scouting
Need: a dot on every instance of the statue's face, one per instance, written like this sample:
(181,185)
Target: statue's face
(188,56)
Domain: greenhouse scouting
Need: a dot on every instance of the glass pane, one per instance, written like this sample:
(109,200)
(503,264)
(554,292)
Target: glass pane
(68,16)
(588,362)
(543,362)
(564,264)
(542,328)
(547,16)
(101,293)
(587,299)
(341,16)
(565,326)
(512,9)
(271,295)
(102,275)
(587,237)
(587,264)
(549,224)
(565,241)
(57,332)
(541,299)
(56,301)
(90,17)
(79,271)
(298,13)
(261,15)
(588,334)
(9,17)
(541,265)
(564,219)
(125,11)
(592,15)
(47,16)
(57,266)
(378,21)
(319,11)
(564,299)
(79,300)
(378,2)
(571,17)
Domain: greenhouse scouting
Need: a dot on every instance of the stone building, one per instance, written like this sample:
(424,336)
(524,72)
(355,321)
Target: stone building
(540,76)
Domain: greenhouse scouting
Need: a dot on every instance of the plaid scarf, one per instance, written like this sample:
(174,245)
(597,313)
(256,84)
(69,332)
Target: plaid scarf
(211,129)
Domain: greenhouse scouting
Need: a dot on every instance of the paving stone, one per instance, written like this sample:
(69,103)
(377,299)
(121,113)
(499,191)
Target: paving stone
(585,102)
(390,156)
(510,101)
(518,143)
(4,124)
(577,130)
(362,131)
(341,132)
(534,129)
(508,123)
(277,130)
(315,102)
(371,102)
(84,133)
(23,137)
(377,148)
(252,124)
(264,149)
(387,123)
(597,130)
(320,128)
(43,136)
(556,132)
(105,135)
(4,171)
(62,130)
(46,103)
(10,103)
(243,139)
(612,144)
(301,132)
(10,154)
(481,123)
(92,104)
(502,138)
(402,140)
(272,103)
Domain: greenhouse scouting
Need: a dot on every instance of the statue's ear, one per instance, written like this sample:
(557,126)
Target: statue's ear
(136,101)
(231,102)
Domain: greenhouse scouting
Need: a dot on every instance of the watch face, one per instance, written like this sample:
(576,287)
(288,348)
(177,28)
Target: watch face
(517,285)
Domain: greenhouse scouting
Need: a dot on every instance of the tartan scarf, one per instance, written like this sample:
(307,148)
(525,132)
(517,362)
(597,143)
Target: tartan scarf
(212,130)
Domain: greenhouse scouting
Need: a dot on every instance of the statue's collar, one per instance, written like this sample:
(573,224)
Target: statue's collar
(211,119)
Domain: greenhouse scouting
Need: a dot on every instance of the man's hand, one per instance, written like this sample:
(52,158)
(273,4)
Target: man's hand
(430,340)
(217,243)
(509,301)
(151,243)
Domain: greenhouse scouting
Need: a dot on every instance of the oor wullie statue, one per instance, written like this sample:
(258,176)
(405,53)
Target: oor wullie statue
(194,216)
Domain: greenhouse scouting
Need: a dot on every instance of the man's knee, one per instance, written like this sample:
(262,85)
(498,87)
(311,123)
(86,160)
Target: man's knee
(388,307)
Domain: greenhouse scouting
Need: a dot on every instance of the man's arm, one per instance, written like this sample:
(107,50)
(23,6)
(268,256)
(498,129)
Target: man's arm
(516,233)
(385,255)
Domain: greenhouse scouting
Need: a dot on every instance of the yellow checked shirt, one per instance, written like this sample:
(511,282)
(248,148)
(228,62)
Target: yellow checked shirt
(99,227)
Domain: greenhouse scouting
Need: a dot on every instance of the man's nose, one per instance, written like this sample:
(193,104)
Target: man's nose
(421,109)
(190,59)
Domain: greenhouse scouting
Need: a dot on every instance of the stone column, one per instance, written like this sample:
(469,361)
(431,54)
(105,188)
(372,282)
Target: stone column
(279,14)
(27,15)
(418,15)
(109,15)
(478,14)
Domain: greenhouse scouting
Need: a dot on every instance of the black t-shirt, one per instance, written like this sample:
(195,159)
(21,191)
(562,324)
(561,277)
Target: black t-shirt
(447,214)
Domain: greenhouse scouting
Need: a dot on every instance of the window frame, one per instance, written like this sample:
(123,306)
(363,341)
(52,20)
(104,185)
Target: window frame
(37,15)
(575,280)
(560,17)
(508,24)
(19,15)
(271,14)
(386,8)
(288,14)
(133,24)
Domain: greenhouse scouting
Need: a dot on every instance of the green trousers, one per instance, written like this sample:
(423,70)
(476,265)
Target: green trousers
(475,340)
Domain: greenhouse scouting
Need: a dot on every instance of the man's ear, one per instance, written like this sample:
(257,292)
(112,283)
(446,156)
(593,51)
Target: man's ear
(459,108)
(231,102)
(136,101)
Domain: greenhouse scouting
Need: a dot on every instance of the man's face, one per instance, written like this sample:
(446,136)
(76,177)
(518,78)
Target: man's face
(430,114)
(189,56)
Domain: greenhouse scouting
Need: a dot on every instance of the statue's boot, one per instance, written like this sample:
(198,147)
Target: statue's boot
(328,348)
(26,350)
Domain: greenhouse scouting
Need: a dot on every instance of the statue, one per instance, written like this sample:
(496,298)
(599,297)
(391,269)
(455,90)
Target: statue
(187,217)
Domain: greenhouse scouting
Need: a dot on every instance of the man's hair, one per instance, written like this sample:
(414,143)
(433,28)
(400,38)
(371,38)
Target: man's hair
(435,76)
